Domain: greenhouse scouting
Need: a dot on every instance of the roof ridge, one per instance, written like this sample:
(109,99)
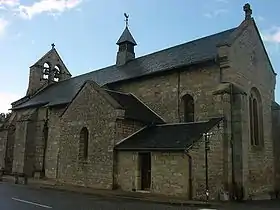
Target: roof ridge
(159,51)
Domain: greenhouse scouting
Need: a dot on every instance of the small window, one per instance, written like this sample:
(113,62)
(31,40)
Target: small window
(56,73)
(188,103)
(83,144)
(46,71)
(256,118)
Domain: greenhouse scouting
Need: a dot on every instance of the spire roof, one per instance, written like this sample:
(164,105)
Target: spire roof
(126,37)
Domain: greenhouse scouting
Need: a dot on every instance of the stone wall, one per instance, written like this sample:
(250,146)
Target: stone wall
(276,146)
(125,128)
(163,93)
(52,147)
(170,173)
(216,161)
(3,142)
(127,169)
(92,110)
(249,67)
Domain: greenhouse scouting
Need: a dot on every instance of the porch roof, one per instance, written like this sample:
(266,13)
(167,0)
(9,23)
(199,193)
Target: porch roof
(167,137)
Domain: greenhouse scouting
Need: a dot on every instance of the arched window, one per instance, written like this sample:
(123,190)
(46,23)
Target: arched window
(256,118)
(83,144)
(188,107)
(56,73)
(46,71)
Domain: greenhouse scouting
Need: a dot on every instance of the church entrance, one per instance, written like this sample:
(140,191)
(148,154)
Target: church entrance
(145,170)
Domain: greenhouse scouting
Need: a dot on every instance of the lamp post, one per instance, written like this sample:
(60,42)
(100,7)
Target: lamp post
(207,148)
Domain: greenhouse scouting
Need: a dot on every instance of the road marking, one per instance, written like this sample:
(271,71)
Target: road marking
(207,209)
(35,204)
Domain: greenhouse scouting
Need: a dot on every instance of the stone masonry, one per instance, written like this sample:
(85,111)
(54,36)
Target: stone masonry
(45,137)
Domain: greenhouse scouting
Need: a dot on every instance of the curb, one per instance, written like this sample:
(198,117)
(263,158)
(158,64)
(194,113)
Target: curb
(102,195)
(60,188)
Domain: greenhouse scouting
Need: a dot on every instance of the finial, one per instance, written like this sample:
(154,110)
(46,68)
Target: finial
(126,19)
(53,45)
(248,11)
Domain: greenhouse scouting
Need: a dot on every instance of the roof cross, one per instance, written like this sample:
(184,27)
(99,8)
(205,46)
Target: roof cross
(53,45)
(248,11)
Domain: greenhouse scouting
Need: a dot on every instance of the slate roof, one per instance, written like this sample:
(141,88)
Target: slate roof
(169,137)
(126,37)
(134,108)
(193,52)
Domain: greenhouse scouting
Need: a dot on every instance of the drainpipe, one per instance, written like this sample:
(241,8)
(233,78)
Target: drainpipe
(46,132)
(190,175)
(232,145)
(206,141)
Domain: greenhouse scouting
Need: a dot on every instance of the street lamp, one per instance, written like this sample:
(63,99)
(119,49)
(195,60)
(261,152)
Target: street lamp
(207,148)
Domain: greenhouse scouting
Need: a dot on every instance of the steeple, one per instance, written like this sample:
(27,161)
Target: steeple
(126,45)
(48,69)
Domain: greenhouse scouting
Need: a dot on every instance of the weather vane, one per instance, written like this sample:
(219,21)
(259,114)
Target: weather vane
(126,19)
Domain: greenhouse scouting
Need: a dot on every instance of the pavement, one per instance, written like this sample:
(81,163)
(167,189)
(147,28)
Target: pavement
(136,196)
(47,195)
(20,197)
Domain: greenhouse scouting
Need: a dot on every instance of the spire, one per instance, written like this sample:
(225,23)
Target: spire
(126,35)
(248,11)
(126,45)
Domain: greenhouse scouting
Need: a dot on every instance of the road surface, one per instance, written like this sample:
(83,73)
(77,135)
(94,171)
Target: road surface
(20,197)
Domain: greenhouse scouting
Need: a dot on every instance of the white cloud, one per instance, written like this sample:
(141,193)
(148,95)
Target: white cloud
(3,24)
(260,18)
(272,35)
(215,13)
(47,6)
(222,1)
(6,100)
(9,3)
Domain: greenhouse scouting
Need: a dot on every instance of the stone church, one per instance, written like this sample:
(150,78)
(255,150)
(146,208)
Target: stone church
(193,120)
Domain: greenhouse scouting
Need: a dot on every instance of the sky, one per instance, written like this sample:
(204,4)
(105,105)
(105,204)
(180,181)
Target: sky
(85,32)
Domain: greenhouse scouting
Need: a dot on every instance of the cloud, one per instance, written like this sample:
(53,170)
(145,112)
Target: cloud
(215,13)
(47,6)
(260,18)
(222,1)
(9,3)
(272,35)
(3,24)
(6,100)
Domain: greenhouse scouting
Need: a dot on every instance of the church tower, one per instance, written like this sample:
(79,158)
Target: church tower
(47,70)
(126,46)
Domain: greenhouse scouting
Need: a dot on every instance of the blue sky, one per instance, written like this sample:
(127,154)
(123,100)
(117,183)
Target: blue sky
(85,31)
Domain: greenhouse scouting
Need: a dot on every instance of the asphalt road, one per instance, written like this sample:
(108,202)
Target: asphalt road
(20,197)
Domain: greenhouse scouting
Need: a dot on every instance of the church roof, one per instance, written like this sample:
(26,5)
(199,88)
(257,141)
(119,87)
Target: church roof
(190,53)
(126,37)
(134,108)
(169,137)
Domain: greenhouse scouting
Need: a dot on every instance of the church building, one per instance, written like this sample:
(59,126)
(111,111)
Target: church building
(193,120)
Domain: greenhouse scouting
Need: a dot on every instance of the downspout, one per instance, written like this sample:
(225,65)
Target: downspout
(46,133)
(190,176)
(114,181)
(231,143)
